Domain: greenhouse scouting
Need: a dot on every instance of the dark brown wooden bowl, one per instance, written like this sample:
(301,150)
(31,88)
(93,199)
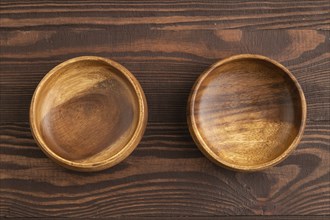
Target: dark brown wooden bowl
(88,113)
(247,112)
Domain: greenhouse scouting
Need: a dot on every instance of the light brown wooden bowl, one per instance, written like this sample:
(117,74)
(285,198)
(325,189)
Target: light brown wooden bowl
(246,112)
(88,113)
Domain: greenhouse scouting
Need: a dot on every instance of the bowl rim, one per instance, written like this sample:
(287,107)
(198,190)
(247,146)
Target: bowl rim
(193,129)
(114,159)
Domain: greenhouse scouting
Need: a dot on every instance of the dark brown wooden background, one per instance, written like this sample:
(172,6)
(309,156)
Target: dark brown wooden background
(166,44)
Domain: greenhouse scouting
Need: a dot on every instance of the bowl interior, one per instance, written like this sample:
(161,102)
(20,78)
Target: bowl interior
(247,112)
(86,111)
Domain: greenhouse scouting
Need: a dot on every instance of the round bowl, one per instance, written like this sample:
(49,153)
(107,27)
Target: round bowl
(246,112)
(88,113)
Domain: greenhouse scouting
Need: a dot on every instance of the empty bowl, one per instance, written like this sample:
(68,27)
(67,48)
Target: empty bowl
(88,113)
(246,112)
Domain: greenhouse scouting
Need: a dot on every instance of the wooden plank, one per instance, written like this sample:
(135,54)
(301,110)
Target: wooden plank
(165,176)
(167,15)
(308,217)
(167,63)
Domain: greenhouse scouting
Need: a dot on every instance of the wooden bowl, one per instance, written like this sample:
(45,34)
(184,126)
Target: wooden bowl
(246,112)
(88,113)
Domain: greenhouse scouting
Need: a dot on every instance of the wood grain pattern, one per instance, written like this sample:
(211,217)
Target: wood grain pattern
(166,175)
(167,45)
(171,15)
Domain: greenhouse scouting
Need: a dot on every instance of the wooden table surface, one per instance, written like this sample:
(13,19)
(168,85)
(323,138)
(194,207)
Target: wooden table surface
(166,44)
